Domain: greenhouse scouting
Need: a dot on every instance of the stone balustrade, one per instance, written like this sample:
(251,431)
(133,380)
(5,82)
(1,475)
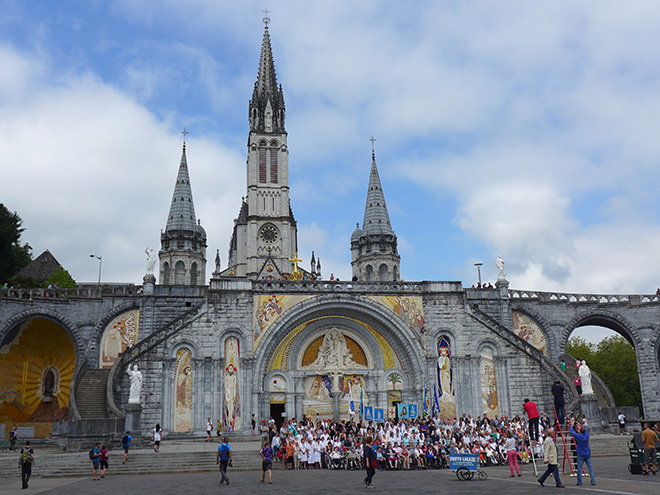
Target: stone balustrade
(81,291)
(581,298)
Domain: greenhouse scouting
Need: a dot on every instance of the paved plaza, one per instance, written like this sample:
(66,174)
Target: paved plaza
(611,472)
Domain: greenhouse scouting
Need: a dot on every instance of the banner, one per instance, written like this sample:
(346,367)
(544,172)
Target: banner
(368,413)
(379,415)
(403,411)
(412,411)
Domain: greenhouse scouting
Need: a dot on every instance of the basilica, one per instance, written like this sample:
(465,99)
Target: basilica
(268,337)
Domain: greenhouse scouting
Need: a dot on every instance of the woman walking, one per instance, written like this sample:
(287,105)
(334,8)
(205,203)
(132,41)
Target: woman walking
(267,462)
(370,461)
(511,453)
(157,436)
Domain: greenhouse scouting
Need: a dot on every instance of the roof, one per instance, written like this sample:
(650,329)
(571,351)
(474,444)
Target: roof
(42,267)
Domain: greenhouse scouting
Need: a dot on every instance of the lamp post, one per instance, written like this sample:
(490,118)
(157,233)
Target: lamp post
(100,258)
(478,265)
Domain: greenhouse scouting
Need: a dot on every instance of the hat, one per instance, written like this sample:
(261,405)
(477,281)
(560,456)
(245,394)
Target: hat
(263,421)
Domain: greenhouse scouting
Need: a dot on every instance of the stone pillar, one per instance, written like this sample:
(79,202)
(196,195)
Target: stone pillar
(589,407)
(149,281)
(335,405)
(134,421)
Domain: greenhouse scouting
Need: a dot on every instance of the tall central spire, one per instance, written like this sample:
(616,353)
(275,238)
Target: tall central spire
(182,210)
(376,217)
(266,111)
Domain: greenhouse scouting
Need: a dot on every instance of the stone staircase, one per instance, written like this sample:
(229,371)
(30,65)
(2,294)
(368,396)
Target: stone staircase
(91,394)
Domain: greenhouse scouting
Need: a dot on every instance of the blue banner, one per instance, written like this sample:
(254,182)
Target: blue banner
(368,413)
(379,414)
(412,411)
(403,411)
(469,461)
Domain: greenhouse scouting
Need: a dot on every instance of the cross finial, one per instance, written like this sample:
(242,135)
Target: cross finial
(295,260)
(266,19)
(373,152)
(185,133)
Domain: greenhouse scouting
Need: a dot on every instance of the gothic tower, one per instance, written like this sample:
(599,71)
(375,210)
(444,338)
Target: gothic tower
(265,232)
(374,255)
(182,255)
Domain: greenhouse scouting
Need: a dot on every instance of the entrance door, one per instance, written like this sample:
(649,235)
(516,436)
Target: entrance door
(276,411)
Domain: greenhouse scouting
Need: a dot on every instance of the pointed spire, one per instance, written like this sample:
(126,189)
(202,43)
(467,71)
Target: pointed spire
(376,217)
(182,210)
(266,110)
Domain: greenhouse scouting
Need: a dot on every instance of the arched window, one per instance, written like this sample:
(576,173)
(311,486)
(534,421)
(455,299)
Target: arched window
(370,273)
(273,164)
(262,165)
(382,273)
(183,390)
(395,271)
(166,274)
(179,273)
(193,274)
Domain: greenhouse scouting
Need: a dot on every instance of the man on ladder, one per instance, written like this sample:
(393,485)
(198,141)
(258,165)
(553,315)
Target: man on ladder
(558,395)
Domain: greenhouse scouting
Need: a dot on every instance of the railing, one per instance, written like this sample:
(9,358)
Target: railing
(81,291)
(581,298)
(349,286)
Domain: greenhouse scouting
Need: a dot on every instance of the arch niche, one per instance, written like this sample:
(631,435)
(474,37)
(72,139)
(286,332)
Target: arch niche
(334,351)
(38,360)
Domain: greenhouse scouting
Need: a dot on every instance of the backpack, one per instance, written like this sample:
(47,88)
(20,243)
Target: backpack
(124,440)
(25,455)
(224,452)
(91,454)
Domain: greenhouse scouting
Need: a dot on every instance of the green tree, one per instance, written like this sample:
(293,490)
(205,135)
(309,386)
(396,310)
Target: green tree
(13,255)
(62,278)
(615,362)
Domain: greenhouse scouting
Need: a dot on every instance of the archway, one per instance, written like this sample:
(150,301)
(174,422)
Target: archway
(38,360)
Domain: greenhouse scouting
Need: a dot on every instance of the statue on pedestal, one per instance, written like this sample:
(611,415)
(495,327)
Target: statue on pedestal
(500,268)
(585,378)
(135,377)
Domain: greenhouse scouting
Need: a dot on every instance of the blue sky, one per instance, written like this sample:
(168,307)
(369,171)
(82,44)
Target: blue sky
(521,129)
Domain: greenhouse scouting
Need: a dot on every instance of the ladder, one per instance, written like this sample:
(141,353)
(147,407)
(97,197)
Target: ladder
(569,451)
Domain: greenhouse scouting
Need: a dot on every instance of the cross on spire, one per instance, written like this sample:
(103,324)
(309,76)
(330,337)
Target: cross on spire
(185,133)
(295,260)
(373,152)
(266,19)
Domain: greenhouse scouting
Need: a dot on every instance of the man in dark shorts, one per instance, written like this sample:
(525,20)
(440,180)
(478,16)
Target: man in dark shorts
(96,458)
(126,444)
(104,461)
(267,463)
(25,463)
(223,457)
(649,437)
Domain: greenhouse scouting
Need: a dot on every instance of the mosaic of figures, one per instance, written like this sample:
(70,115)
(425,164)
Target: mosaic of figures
(119,334)
(410,309)
(528,330)
(183,390)
(318,398)
(334,350)
(488,384)
(444,394)
(268,309)
(231,411)
(37,366)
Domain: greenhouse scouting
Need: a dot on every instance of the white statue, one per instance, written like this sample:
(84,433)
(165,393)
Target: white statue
(136,384)
(151,260)
(333,353)
(585,378)
(444,372)
(500,268)
(230,386)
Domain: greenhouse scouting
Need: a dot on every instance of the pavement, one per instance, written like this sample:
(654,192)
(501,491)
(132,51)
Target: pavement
(612,476)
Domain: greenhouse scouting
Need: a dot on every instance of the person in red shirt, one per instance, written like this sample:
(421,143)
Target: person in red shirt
(533,417)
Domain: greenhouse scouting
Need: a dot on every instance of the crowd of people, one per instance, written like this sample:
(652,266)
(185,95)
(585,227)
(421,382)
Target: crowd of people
(399,444)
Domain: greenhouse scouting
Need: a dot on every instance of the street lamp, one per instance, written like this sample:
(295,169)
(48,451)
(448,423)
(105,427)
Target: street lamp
(478,265)
(100,258)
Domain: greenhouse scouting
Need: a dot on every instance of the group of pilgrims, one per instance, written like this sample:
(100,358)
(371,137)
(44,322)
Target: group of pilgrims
(399,444)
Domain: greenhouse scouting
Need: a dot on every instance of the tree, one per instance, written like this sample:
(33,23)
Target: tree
(615,362)
(13,255)
(62,278)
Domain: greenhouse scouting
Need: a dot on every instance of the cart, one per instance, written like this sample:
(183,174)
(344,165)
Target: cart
(465,466)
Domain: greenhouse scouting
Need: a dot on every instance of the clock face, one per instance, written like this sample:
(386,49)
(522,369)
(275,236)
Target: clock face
(268,234)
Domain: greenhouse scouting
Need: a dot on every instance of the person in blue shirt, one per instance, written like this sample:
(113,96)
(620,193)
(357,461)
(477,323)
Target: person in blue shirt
(125,444)
(223,458)
(581,436)
(267,463)
(96,461)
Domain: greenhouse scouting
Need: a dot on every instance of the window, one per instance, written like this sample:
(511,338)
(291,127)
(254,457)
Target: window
(273,165)
(166,274)
(179,273)
(193,274)
(262,165)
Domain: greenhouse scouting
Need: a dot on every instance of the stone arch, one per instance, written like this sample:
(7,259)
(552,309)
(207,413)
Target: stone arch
(43,312)
(603,318)
(388,381)
(441,332)
(180,345)
(386,323)
(488,343)
(183,387)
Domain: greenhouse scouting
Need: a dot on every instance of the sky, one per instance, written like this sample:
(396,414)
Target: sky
(522,129)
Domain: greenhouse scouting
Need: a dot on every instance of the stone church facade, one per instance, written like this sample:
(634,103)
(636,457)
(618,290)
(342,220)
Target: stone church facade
(268,338)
